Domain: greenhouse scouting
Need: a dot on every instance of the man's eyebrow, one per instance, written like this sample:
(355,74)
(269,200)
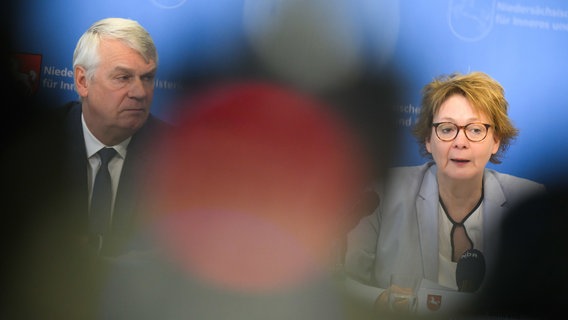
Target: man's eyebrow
(130,70)
(122,69)
(151,72)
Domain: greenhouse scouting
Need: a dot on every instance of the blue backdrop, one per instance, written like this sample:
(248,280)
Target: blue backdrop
(521,43)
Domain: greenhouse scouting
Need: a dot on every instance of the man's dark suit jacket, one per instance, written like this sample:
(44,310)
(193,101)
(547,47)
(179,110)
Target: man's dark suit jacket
(47,269)
(128,204)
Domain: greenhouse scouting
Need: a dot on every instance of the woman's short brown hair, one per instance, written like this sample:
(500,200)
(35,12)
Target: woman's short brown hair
(484,93)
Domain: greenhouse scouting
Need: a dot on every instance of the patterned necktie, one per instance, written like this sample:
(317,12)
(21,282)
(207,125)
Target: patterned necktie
(100,213)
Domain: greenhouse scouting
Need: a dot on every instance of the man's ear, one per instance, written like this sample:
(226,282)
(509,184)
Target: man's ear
(81,81)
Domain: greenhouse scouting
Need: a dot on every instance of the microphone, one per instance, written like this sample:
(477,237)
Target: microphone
(470,270)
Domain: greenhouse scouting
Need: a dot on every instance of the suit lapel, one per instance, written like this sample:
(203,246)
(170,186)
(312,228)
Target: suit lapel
(493,213)
(125,194)
(427,217)
(131,183)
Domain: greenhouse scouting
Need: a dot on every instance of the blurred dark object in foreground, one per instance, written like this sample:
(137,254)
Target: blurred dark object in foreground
(531,278)
(43,274)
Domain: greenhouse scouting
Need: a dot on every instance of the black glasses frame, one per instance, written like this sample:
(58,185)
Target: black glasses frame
(436,124)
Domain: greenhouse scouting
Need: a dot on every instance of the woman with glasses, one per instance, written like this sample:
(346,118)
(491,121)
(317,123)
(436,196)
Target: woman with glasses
(430,214)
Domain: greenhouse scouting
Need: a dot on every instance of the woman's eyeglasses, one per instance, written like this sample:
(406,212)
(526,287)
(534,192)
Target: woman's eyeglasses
(448,131)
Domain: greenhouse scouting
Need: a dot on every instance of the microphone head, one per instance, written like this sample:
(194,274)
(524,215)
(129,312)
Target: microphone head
(470,270)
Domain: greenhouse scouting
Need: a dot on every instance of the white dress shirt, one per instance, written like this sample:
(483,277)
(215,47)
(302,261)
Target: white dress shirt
(93,145)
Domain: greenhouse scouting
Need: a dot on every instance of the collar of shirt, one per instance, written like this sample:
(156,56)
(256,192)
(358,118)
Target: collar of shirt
(93,145)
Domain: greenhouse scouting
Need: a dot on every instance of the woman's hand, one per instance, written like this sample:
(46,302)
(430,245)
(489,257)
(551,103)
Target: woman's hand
(396,305)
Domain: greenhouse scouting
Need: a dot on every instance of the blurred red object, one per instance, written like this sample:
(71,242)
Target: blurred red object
(254,184)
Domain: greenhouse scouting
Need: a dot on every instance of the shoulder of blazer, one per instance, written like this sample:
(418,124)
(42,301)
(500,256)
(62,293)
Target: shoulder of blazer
(408,181)
(149,131)
(155,124)
(70,115)
(514,188)
(409,177)
(71,109)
